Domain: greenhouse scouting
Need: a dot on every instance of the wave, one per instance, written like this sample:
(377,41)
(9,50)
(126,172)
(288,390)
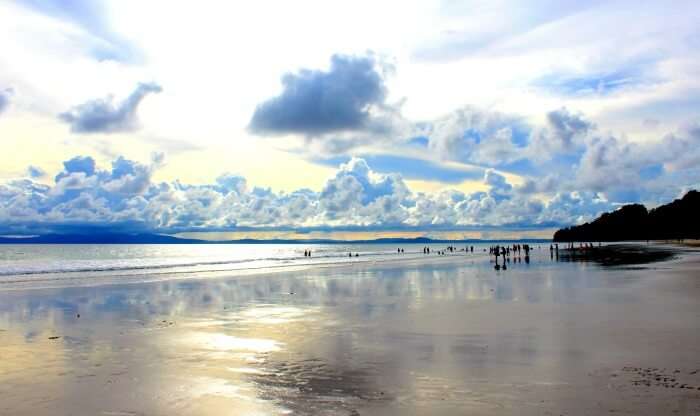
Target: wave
(290,260)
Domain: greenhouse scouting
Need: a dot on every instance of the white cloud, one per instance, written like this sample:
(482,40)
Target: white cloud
(125,197)
(487,74)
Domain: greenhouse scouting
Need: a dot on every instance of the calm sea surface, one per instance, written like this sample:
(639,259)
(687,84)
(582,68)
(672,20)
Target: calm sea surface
(57,263)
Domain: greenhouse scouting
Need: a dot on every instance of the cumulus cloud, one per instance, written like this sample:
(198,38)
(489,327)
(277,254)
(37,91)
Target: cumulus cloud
(478,136)
(335,110)
(104,116)
(652,171)
(567,154)
(128,178)
(681,149)
(500,188)
(364,197)
(567,127)
(125,197)
(601,173)
(493,139)
(84,164)
(315,102)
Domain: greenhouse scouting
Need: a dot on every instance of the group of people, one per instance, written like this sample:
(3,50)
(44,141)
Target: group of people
(505,251)
(516,249)
(448,249)
(571,249)
(554,250)
(581,246)
(307,253)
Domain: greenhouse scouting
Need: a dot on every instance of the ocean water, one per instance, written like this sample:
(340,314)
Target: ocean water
(435,336)
(56,264)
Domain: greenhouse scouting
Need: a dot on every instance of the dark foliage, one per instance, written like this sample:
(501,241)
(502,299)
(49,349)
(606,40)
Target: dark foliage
(674,221)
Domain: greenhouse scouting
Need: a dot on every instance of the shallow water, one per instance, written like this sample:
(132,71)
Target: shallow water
(444,336)
(58,264)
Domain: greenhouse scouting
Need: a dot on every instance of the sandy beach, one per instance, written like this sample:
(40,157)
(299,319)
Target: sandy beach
(441,336)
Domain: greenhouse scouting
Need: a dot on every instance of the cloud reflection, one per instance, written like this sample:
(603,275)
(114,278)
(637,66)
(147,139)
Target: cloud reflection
(312,341)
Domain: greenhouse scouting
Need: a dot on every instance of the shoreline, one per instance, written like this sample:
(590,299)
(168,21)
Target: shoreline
(250,272)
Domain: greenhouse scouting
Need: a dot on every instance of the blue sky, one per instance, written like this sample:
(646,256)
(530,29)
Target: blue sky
(428,115)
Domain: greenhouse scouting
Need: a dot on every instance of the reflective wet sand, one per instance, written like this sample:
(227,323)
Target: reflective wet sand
(448,336)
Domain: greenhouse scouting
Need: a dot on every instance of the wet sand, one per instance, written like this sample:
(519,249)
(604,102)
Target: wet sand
(445,336)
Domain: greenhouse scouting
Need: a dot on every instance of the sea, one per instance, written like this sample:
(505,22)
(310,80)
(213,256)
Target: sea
(54,264)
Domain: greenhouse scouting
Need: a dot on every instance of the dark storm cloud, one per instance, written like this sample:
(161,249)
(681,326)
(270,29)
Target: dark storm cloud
(316,102)
(103,116)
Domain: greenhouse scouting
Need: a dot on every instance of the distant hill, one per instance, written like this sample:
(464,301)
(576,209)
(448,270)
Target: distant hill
(673,221)
(111,238)
(99,238)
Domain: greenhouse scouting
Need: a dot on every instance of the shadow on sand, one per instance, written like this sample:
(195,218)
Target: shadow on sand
(616,254)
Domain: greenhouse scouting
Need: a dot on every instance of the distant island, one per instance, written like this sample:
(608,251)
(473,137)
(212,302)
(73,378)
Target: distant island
(674,221)
(128,238)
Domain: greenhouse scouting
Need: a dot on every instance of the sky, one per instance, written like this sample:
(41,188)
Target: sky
(415,117)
